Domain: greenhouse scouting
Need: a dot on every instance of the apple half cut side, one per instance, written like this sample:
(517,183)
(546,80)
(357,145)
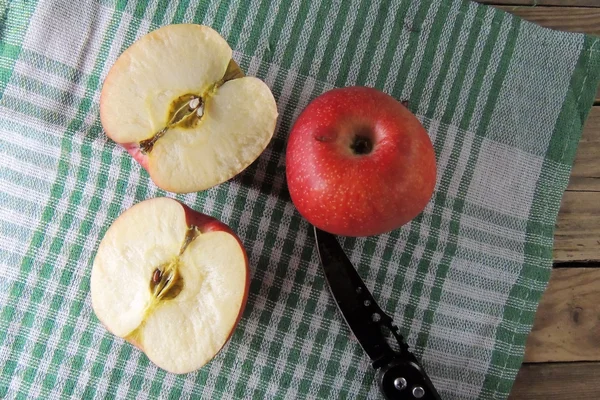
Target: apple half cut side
(171,281)
(182,107)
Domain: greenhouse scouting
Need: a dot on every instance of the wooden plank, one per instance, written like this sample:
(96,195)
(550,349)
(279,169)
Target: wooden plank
(577,234)
(565,3)
(567,322)
(557,381)
(573,19)
(585,175)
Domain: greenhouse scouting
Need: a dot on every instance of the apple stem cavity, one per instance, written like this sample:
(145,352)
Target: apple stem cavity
(232,72)
(361,145)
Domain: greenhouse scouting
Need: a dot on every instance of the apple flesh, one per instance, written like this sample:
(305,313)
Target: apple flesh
(180,105)
(171,281)
(359,163)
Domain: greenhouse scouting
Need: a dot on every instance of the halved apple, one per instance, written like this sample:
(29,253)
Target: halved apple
(171,281)
(184,110)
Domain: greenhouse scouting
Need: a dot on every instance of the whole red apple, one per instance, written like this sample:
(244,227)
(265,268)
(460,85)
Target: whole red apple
(359,163)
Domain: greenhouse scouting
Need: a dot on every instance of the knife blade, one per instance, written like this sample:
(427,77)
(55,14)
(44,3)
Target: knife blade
(399,374)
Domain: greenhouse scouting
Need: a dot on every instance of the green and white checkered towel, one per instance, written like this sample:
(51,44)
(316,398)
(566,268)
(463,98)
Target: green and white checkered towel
(503,100)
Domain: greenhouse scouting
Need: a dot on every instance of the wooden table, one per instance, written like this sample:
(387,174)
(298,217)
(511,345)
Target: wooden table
(562,356)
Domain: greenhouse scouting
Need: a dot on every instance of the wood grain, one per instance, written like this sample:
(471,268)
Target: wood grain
(577,234)
(565,3)
(585,175)
(567,322)
(557,381)
(573,19)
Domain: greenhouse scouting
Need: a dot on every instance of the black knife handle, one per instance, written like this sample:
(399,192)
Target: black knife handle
(402,380)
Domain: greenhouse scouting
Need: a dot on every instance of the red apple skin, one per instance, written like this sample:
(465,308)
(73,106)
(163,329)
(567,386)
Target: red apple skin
(134,150)
(350,194)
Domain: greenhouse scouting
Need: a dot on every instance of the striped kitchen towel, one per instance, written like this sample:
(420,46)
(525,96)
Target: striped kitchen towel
(503,100)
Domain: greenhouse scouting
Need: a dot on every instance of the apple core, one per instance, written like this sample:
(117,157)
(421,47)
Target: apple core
(166,283)
(187,110)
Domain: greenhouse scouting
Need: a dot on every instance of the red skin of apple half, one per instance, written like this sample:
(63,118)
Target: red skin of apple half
(206,223)
(340,187)
(134,150)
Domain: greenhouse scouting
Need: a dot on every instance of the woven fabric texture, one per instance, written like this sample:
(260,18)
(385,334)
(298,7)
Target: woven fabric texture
(503,100)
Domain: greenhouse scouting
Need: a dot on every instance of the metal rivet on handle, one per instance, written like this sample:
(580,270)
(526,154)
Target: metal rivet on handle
(400,383)
(418,392)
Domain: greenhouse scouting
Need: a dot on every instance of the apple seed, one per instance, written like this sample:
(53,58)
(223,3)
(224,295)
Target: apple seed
(156,276)
(194,103)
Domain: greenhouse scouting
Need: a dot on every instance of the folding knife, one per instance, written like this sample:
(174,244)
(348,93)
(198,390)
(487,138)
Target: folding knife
(399,374)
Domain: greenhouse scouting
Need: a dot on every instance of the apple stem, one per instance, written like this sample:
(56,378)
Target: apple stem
(190,235)
(233,72)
